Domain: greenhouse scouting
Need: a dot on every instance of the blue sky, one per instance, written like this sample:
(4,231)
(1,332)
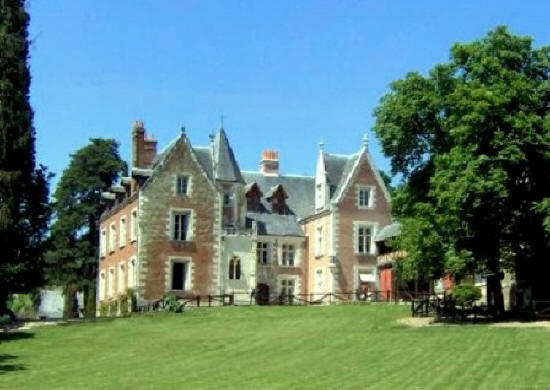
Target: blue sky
(285,74)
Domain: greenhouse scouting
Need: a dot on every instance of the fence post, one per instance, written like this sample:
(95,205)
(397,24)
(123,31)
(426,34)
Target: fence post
(232,299)
(209,300)
(198,300)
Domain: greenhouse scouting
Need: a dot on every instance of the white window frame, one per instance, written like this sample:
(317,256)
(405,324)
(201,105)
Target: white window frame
(261,250)
(103,242)
(319,241)
(316,280)
(371,201)
(131,272)
(288,251)
(102,284)
(188,282)
(111,277)
(373,226)
(122,231)
(120,277)
(294,278)
(189,184)
(190,234)
(133,224)
(112,237)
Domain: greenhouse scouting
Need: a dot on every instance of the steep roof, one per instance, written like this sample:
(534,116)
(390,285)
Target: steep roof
(226,167)
(218,162)
(338,167)
(300,191)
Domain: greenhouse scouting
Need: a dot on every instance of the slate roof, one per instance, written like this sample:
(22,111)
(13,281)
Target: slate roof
(338,167)
(226,167)
(389,231)
(219,163)
(274,224)
(205,159)
(300,191)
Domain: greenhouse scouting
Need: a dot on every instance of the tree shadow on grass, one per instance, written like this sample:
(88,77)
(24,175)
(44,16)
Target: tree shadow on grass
(7,365)
(7,361)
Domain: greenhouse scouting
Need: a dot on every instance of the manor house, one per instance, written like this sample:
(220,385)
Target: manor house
(189,221)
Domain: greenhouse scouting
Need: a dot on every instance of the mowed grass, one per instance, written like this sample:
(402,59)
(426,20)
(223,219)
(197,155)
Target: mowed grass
(337,347)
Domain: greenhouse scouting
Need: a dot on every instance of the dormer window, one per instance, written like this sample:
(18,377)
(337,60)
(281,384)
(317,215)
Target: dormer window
(253,197)
(277,196)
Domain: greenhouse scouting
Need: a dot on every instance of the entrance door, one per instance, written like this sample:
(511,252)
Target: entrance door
(262,294)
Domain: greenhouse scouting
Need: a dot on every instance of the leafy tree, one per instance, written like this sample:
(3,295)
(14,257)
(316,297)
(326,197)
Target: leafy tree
(72,260)
(24,211)
(472,142)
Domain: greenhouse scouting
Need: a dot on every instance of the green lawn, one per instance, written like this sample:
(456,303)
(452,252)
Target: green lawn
(275,347)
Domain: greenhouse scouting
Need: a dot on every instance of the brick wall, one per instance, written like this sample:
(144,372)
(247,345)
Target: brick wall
(348,213)
(157,247)
(120,255)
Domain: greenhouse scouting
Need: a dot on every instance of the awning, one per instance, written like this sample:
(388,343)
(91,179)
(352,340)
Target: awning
(367,276)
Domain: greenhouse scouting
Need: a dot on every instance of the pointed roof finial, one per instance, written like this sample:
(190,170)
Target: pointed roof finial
(222,117)
(321,145)
(182,129)
(365,141)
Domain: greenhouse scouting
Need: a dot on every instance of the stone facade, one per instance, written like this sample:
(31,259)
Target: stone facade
(194,224)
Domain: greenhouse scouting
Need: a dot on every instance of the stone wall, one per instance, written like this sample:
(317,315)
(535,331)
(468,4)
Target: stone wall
(158,201)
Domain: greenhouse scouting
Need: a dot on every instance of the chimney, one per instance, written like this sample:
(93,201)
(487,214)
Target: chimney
(269,164)
(144,148)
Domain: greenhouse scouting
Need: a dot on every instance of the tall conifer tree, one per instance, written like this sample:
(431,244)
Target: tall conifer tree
(23,188)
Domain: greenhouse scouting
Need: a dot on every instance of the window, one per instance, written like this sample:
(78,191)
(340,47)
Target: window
(235,269)
(111,283)
(133,227)
(287,287)
(103,243)
(319,241)
(364,238)
(102,286)
(182,182)
(131,273)
(122,232)
(112,238)
(262,252)
(319,281)
(365,197)
(180,226)
(288,255)
(179,275)
(121,278)
(227,200)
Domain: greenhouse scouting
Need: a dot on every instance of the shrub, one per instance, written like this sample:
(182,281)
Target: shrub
(113,308)
(172,304)
(465,294)
(103,309)
(123,304)
(23,305)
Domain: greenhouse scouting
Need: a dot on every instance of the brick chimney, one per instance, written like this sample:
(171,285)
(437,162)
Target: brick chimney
(269,164)
(144,148)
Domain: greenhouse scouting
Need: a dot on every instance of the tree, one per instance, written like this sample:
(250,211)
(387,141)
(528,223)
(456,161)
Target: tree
(24,211)
(72,259)
(472,142)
